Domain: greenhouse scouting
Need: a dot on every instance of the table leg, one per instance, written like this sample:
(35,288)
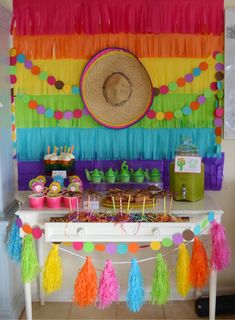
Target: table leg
(41,263)
(212,294)
(28,300)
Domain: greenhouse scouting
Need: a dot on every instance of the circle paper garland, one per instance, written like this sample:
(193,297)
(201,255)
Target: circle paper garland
(123,248)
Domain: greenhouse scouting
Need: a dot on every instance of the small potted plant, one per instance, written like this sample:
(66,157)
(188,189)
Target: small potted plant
(37,199)
(53,197)
(72,197)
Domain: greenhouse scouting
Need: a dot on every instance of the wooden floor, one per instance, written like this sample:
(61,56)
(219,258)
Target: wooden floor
(63,310)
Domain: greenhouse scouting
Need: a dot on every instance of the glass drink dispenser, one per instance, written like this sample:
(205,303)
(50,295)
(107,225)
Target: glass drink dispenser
(187,173)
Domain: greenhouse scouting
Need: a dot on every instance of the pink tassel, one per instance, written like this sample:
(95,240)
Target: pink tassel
(220,251)
(108,287)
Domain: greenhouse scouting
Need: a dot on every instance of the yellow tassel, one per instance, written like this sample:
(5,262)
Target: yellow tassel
(183,271)
(52,275)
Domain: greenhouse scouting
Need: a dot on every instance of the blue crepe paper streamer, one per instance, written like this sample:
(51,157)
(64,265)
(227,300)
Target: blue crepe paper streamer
(108,144)
(14,243)
(135,294)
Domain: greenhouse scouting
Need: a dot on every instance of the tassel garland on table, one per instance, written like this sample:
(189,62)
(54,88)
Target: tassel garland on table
(52,275)
(199,269)
(14,243)
(135,293)
(108,291)
(85,287)
(220,251)
(160,290)
(182,271)
(29,260)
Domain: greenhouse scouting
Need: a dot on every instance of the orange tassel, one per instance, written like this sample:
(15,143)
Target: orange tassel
(199,268)
(85,287)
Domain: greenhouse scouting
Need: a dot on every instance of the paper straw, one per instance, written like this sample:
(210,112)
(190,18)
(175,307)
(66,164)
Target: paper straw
(121,205)
(114,207)
(143,208)
(164,201)
(128,205)
(171,204)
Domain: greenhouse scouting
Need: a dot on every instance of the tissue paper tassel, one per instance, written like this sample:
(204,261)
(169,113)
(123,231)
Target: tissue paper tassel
(220,251)
(199,270)
(135,292)
(160,290)
(29,261)
(183,271)
(108,287)
(85,287)
(52,275)
(14,243)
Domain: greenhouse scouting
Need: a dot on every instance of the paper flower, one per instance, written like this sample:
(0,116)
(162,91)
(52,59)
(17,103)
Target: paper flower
(38,187)
(54,187)
(41,179)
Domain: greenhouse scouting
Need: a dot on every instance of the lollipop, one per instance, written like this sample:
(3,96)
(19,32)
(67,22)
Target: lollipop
(54,187)
(41,179)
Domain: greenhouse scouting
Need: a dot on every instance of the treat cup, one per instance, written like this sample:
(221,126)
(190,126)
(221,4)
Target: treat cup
(71,202)
(36,200)
(53,202)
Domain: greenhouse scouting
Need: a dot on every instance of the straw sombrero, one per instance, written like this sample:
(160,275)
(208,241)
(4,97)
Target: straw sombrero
(116,88)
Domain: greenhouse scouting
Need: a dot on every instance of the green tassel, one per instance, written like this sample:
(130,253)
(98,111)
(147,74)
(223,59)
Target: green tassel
(160,290)
(29,260)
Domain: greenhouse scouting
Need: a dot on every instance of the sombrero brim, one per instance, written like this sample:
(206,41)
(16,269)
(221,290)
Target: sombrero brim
(97,70)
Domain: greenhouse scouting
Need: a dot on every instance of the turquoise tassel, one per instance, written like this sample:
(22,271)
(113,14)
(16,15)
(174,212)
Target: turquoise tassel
(135,294)
(14,243)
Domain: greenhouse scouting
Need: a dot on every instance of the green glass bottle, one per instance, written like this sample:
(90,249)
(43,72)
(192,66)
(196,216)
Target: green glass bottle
(187,186)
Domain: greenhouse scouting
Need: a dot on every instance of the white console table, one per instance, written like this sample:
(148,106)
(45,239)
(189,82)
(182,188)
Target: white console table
(110,232)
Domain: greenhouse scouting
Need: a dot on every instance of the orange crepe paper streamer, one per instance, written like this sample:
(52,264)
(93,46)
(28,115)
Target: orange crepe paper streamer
(85,287)
(142,45)
(199,268)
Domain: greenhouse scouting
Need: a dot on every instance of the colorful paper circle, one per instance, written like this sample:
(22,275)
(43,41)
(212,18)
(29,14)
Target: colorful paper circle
(25,98)
(201,99)
(211,216)
(187,111)
(167,242)
(160,115)
(220,85)
(218,140)
(26,228)
(219,66)
(68,115)
(178,114)
(188,235)
(213,86)
(12,52)
(28,64)
(177,238)
(18,222)
(49,113)
(204,223)
(218,122)
(197,230)
(111,248)
(188,77)
(169,115)
(43,75)
(41,109)
(219,112)
(77,245)
(180,82)
(172,86)
(219,57)
(194,105)
(88,247)
(100,247)
(13,79)
(219,75)
(58,115)
(12,70)
(155,245)
(218,131)
(208,93)
(67,88)
(156,91)
(203,66)
(122,248)
(196,72)
(133,247)
(32,104)
(75,89)
(51,80)
(151,114)
(77,113)
(35,70)
(37,233)
(20,58)
(59,84)
(164,89)
(13,61)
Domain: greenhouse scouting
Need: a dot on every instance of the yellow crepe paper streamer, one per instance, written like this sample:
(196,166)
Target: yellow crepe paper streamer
(183,271)
(162,71)
(52,275)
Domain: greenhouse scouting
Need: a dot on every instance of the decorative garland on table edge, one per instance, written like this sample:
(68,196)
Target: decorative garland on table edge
(190,272)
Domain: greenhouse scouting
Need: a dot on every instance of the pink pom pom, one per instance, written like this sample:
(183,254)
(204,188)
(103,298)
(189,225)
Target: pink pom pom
(220,251)
(108,287)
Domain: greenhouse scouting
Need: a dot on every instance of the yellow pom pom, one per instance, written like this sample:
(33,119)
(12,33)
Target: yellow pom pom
(52,275)
(183,271)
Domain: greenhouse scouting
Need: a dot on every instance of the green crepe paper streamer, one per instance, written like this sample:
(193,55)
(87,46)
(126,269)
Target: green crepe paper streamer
(160,290)
(29,260)
(28,118)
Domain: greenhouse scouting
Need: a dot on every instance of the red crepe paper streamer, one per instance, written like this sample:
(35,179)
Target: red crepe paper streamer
(108,287)
(199,269)
(85,287)
(220,251)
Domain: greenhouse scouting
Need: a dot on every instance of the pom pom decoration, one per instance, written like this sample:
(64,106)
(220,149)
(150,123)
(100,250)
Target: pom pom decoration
(160,290)
(29,261)
(85,287)
(14,243)
(135,293)
(52,275)
(220,251)
(108,291)
(199,270)
(183,271)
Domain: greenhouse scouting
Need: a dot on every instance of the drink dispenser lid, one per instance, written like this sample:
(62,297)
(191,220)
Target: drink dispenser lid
(187,148)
